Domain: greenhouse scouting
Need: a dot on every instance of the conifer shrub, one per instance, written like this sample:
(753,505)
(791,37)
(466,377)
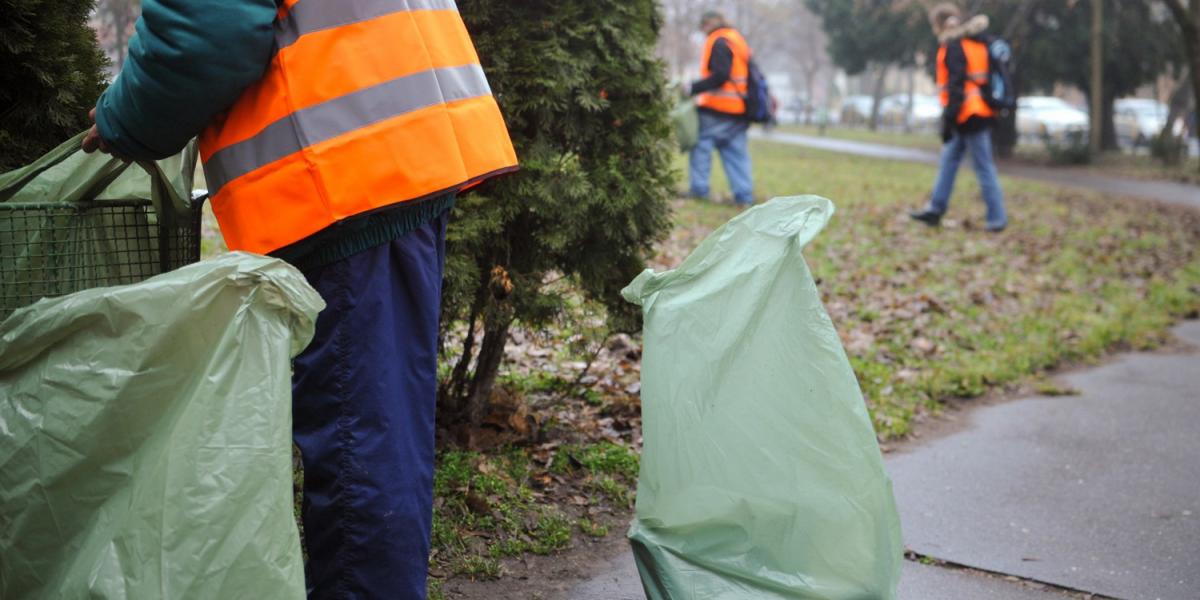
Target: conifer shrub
(584,99)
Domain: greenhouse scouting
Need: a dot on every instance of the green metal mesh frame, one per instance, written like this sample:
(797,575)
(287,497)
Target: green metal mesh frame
(53,249)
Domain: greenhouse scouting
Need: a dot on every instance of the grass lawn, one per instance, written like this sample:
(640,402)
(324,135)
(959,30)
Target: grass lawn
(920,141)
(933,314)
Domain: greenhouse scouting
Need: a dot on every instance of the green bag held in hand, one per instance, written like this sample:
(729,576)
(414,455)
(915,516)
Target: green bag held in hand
(761,476)
(146,437)
(72,220)
(687,124)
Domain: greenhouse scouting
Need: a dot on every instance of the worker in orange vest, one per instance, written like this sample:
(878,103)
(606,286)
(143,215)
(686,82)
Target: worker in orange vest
(336,136)
(967,120)
(721,99)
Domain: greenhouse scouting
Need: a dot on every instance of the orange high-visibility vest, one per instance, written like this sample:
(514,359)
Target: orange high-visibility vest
(730,98)
(366,104)
(974,104)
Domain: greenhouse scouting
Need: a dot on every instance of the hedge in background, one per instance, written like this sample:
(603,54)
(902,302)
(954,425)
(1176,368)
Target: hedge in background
(50,76)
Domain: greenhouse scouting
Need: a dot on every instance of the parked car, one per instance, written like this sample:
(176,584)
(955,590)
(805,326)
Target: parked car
(856,110)
(1139,120)
(925,115)
(1042,117)
(893,110)
(794,111)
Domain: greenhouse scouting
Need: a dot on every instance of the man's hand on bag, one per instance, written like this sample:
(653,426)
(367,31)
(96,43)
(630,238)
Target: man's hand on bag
(93,142)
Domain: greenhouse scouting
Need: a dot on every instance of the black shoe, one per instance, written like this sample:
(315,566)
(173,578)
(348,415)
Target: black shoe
(996,228)
(927,217)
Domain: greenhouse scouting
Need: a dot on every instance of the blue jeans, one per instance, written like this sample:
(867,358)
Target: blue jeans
(728,135)
(980,145)
(364,395)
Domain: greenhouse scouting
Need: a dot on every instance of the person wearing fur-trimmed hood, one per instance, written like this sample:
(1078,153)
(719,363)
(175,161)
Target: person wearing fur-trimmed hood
(967,119)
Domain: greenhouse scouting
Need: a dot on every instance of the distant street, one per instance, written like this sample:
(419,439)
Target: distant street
(1165,191)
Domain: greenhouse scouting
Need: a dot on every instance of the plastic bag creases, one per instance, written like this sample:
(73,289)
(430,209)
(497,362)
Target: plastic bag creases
(145,437)
(761,476)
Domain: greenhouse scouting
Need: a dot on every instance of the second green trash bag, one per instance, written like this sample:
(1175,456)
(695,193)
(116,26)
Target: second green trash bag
(146,437)
(761,476)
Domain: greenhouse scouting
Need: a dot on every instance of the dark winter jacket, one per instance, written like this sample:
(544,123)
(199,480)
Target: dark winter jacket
(720,64)
(956,65)
(188,61)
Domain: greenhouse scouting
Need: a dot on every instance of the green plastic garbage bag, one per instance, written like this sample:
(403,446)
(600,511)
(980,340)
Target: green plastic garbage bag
(687,124)
(761,476)
(67,174)
(145,437)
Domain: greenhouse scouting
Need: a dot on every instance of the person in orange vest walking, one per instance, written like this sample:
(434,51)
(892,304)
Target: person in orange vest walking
(967,120)
(721,99)
(335,136)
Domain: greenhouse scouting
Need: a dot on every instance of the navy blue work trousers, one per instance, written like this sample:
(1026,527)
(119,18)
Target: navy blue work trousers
(364,395)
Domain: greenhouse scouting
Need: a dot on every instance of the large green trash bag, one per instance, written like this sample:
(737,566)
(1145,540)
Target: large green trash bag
(145,437)
(761,476)
(686,121)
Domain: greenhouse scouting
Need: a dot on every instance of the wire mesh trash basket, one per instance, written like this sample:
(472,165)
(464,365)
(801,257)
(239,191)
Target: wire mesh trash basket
(70,221)
(53,249)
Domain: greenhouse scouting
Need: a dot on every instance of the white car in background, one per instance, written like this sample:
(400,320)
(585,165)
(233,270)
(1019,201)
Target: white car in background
(1139,120)
(926,113)
(856,110)
(1041,117)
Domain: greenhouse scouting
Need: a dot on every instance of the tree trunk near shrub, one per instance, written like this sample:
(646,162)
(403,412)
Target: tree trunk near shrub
(491,353)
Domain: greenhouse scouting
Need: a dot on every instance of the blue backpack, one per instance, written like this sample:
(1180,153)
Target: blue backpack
(760,106)
(1000,94)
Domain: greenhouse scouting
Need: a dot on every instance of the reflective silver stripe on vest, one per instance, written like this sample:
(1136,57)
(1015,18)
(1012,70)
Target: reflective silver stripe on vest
(308,16)
(342,115)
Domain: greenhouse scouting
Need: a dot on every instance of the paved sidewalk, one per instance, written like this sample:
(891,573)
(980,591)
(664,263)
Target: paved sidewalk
(919,582)
(1165,191)
(1098,492)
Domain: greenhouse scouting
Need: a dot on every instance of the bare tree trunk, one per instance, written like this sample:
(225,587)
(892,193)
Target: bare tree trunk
(810,88)
(1108,131)
(453,393)
(1096,135)
(911,91)
(1188,19)
(491,353)
(877,97)
(1004,136)
(1177,106)
(1192,41)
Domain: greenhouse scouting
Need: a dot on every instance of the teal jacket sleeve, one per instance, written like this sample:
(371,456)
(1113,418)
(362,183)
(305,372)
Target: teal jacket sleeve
(188,61)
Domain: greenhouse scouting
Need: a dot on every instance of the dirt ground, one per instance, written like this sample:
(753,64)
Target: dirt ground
(534,577)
